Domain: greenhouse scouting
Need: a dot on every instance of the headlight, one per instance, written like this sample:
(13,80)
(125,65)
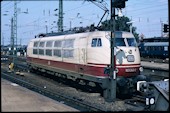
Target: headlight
(141,69)
(152,101)
(130,58)
(117,70)
(130,51)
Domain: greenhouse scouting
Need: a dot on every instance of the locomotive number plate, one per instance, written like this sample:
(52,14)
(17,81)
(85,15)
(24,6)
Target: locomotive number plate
(130,70)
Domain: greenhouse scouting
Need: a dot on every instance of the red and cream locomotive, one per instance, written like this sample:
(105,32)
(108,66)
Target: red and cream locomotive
(85,56)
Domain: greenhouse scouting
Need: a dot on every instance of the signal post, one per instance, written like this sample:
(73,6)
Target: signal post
(110,92)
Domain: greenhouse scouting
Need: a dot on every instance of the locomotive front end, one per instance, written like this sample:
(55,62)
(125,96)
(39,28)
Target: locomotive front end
(128,63)
(127,55)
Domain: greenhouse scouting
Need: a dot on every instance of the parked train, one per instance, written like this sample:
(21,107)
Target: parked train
(154,49)
(86,57)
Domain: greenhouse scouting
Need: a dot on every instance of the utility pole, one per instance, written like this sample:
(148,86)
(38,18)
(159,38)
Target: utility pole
(15,24)
(12,39)
(12,35)
(60,19)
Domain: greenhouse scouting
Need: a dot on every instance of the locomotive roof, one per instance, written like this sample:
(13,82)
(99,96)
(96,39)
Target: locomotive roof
(118,34)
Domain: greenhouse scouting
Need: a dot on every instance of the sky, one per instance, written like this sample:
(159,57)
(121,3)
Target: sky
(147,16)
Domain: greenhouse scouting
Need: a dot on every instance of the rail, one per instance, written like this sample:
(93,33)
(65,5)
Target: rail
(56,96)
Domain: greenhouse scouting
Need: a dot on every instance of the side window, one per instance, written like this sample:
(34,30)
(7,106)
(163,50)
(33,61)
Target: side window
(58,43)
(96,42)
(35,44)
(49,52)
(67,53)
(35,51)
(57,52)
(68,50)
(41,51)
(165,48)
(69,43)
(49,43)
(41,44)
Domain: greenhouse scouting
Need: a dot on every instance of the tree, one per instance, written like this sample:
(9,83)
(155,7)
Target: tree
(121,25)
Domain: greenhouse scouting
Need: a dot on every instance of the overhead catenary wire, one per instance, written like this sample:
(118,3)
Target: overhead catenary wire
(135,14)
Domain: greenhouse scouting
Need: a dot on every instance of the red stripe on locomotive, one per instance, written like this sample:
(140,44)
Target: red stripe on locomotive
(95,70)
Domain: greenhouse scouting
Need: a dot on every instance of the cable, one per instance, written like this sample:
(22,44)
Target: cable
(6,4)
(146,8)
(144,3)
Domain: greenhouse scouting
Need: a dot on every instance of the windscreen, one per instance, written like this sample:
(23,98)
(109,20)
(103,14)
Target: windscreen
(120,42)
(131,42)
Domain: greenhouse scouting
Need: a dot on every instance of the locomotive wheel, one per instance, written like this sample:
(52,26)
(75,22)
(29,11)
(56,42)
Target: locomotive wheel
(123,92)
(32,70)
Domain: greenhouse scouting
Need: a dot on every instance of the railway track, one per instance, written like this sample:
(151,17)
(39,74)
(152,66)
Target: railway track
(155,74)
(71,100)
(80,101)
(54,95)
(156,60)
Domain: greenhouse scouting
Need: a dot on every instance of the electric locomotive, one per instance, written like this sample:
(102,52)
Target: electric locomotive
(86,57)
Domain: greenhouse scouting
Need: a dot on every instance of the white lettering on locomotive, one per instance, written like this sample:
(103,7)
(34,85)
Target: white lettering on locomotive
(130,70)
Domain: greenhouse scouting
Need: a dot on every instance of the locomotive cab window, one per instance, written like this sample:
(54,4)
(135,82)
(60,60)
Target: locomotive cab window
(120,42)
(131,42)
(96,42)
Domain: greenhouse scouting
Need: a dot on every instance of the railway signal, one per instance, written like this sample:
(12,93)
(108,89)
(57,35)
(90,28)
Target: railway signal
(119,3)
(111,93)
(166,28)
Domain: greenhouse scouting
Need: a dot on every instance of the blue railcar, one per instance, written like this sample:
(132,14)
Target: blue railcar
(154,49)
